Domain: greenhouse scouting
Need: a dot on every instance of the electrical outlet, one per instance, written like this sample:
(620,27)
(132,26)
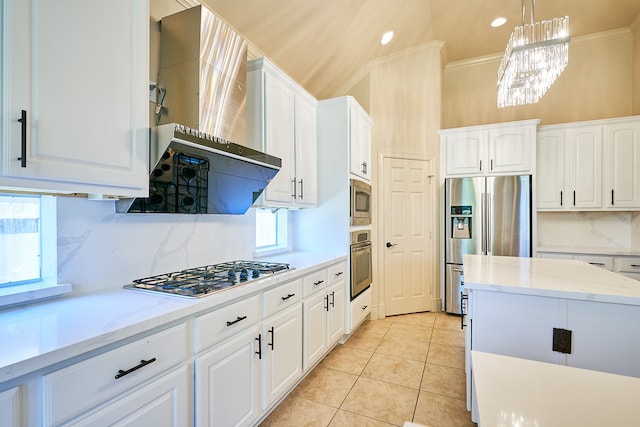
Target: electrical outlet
(153,92)
(562,340)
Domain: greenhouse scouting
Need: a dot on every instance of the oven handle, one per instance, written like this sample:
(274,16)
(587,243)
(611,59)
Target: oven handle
(360,248)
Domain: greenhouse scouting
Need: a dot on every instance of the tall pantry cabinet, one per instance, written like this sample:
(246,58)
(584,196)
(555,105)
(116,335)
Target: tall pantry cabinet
(75,96)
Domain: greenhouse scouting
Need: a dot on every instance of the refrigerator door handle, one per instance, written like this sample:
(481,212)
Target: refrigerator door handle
(488,228)
(483,237)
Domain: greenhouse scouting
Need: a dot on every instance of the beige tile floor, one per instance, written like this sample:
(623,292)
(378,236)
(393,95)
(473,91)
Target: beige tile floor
(397,369)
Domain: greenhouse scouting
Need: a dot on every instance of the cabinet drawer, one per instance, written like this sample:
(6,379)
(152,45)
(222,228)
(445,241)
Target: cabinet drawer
(336,272)
(360,308)
(603,261)
(220,324)
(314,282)
(281,297)
(74,389)
(627,264)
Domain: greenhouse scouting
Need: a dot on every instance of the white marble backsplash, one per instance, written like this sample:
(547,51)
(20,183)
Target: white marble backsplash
(99,249)
(607,230)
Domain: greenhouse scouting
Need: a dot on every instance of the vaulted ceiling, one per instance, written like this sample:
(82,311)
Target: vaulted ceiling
(325,44)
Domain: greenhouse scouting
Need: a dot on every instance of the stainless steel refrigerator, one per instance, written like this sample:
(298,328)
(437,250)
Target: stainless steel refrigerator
(484,216)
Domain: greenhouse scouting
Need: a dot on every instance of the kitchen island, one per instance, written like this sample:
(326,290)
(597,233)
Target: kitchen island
(566,312)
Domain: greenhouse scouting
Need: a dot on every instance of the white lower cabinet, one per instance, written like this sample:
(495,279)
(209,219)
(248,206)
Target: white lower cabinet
(227,385)
(625,265)
(360,308)
(77,389)
(10,407)
(281,353)
(323,319)
(164,402)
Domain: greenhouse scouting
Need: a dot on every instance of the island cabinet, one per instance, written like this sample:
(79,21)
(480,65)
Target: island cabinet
(589,165)
(489,149)
(75,92)
(551,310)
(146,382)
(10,407)
(281,120)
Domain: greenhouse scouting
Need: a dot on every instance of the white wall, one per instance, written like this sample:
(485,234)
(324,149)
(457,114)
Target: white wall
(99,249)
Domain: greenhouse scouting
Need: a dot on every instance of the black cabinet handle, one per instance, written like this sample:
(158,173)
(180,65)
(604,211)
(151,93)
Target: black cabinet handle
(612,197)
(301,189)
(318,282)
(273,339)
(142,364)
(491,165)
(339,273)
(333,299)
(259,352)
(463,300)
(560,198)
(597,263)
(239,319)
(480,165)
(23,146)
(364,307)
(635,265)
(574,197)
(326,303)
(287,297)
(293,182)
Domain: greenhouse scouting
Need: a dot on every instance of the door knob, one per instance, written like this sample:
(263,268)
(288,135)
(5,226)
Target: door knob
(389,244)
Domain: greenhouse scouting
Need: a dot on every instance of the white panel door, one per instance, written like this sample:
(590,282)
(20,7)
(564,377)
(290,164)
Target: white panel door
(306,164)
(509,150)
(314,315)
(407,230)
(465,153)
(551,173)
(336,313)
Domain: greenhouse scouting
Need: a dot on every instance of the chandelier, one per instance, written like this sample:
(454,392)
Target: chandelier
(535,56)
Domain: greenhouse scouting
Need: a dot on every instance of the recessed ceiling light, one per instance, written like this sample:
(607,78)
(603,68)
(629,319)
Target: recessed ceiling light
(386,37)
(499,21)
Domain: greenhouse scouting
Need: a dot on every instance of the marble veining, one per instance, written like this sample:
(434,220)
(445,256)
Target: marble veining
(549,277)
(613,230)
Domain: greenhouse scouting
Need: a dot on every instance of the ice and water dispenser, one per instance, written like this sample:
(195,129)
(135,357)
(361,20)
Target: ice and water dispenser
(461,219)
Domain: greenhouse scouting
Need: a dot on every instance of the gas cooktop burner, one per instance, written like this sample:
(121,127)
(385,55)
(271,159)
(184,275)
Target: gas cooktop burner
(200,281)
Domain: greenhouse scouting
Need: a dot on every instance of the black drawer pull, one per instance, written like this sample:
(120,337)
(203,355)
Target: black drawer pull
(239,319)
(23,140)
(597,263)
(333,299)
(635,265)
(318,282)
(287,297)
(142,364)
(339,273)
(273,338)
(326,303)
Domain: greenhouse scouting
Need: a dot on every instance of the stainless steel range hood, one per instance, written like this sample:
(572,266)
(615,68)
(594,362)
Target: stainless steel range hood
(198,162)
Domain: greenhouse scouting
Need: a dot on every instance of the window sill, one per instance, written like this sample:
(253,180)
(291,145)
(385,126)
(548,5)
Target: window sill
(32,292)
(272,251)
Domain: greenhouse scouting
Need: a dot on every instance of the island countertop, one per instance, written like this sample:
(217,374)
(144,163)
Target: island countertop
(557,278)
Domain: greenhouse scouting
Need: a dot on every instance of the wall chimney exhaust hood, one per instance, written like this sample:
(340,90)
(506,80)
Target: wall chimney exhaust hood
(198,161)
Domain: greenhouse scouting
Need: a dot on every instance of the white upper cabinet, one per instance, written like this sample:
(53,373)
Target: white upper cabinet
(281,120)
(360,141)
(589,165)
(621,142)
(497,149)
(75,95)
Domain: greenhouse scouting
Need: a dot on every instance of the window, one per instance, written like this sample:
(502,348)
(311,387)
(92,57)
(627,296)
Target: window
(20,242)
(271,229)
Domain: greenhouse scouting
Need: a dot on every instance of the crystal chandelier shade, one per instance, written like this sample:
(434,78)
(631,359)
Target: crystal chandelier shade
(535,56)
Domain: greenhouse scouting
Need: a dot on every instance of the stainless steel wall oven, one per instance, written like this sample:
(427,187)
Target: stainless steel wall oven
(361,264)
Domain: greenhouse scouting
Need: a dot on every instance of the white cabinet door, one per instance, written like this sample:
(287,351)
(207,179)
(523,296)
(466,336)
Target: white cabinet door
(166,402)
(584,155)
(336,312)
(509,150)
(622,165)
(314,319)
(279,137)
(79,71)
(10,407)
(227,382)
(281,353)
(306,176)
(551,169)
(360,141)
(465,152)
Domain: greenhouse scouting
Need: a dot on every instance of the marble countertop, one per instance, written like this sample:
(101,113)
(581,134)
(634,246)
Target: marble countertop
(527,393)
(39,335)
(590,251)
(557,278)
